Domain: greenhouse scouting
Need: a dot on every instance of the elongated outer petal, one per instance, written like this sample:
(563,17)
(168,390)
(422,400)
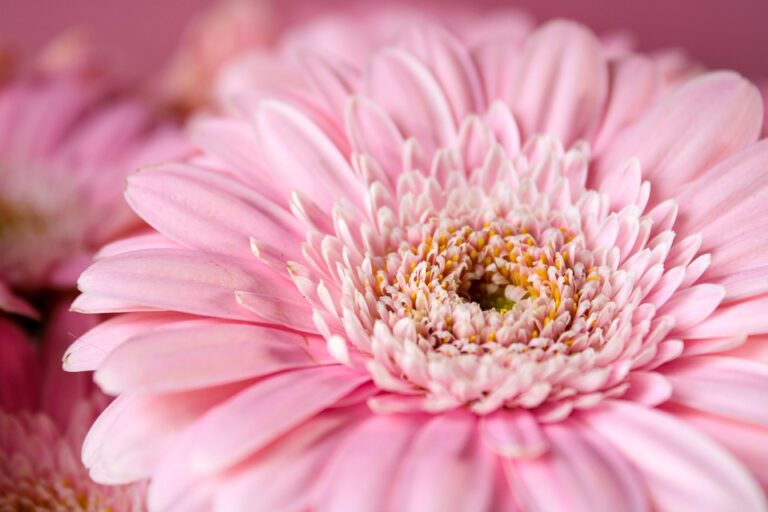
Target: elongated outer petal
(88,352)
(580,472)
(692,305)
(450,63)
(514,434)
(130,437)
(372,131)
(648,388)
(266,410)
(446,469)
(561,82)
(420,108)
(202,356)
(299,458)
(211,211)
(233,142)
(736,319)
(190,282)
(303,157)
(749,443)
(685,134)
(684,470)
(350,481)
(635,82)
(728,205)
(149,240)
(724,386)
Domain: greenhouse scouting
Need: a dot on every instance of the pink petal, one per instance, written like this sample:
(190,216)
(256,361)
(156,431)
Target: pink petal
(90,349)
(684,470)
(148,240)
(682,136)
(420,108)
(208,354)
(446,468)
(725,386)
(303,157)
(211,211)
(692,305)
(742,318)
(299,458)
(350,481)
(562,82)
(648,388)
(332,80)
(582,473)
(266,410)
(128,440)
(190,282)
(749,443)
(451,65)
(234,143)
(728,205)
(635,82)
(513,434)
(372,132)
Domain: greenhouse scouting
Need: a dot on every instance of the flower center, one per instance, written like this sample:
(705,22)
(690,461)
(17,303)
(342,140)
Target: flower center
(473,288)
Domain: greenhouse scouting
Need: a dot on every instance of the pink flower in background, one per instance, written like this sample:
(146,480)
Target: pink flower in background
(215,37)
(44,416)
(66,147)
(500,273)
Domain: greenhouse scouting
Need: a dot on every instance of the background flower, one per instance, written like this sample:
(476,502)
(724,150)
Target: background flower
(480,275)
(68,139)
(44,416)
(66,147)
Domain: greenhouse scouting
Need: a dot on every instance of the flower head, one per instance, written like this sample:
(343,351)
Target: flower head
(44,416)
(459,275)
(65,150)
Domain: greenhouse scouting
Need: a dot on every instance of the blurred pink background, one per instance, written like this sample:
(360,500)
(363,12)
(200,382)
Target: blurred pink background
(138,35)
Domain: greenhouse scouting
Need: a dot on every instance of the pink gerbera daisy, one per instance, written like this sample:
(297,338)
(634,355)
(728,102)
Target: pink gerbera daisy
(508,274)
(44,416)
(66,147)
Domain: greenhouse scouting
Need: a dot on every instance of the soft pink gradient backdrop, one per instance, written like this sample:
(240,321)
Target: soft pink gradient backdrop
(139,34)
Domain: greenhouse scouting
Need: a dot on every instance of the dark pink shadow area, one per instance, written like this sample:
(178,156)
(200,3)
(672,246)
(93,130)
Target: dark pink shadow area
(139,34)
